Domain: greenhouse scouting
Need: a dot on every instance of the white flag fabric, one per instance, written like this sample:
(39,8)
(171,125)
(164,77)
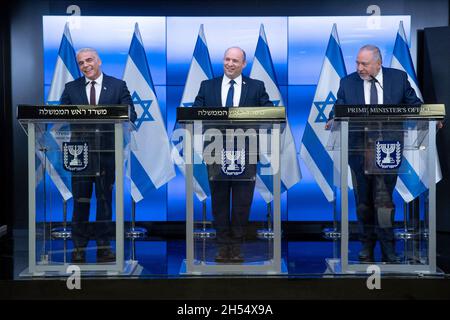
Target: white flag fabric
(151,163)
(262,69)
(313,150)
(199,70)
(411,184)
(66,70)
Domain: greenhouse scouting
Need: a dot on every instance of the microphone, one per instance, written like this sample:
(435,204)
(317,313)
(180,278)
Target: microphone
(376,80)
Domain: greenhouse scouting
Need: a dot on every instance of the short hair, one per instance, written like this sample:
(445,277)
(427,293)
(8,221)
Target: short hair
(242,50)
(375,50)
(88,50)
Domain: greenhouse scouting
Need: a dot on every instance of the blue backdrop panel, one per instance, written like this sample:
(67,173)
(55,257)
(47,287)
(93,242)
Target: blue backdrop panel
(297,46)
(308,39)
(221,33)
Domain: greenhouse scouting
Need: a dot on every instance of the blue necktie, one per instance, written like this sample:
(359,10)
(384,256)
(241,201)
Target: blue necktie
(229,102)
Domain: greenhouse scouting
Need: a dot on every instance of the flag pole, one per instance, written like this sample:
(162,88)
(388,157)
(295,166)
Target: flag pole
(44,255)
(267,233)
(135,232)
(204,232)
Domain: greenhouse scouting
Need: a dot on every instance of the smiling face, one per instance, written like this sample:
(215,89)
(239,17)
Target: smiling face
(367,64)
(233,63)
(90,64)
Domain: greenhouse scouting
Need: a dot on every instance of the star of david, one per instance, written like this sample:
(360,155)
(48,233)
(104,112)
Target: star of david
(321,106)
(145,105)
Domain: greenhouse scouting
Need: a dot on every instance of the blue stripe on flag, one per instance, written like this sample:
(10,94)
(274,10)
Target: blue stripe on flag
(140,176)
(262,53)
(56,159)
(66,52)
(401,53)
(201,175)
(318,153)
(201,54)
(137,54)
(411,180)
(334,55)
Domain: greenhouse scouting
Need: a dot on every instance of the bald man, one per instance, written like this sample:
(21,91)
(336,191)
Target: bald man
(231,90)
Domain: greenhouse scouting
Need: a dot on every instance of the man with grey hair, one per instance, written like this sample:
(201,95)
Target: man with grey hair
(231,90)
(94,88)
(374,84)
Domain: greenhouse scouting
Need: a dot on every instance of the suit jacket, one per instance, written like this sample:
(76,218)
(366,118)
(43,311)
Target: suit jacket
(253,94)
(396,90)
(114,91)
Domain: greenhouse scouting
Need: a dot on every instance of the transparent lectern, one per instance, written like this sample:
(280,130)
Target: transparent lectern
(384,157)
(226,151)
(77,150)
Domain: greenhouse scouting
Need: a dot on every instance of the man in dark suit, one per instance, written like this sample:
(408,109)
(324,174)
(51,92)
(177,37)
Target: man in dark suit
(231,89)
(92,89)
(374,84)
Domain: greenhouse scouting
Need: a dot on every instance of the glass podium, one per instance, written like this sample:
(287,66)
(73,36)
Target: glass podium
(384,158)
(230,150)
(75,152)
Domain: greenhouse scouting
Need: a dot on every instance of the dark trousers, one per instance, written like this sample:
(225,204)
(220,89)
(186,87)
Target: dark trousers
(82,190)
(374,207)
(231,230)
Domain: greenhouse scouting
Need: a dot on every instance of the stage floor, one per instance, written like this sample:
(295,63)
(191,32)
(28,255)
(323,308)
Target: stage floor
(158,277)
(160,258)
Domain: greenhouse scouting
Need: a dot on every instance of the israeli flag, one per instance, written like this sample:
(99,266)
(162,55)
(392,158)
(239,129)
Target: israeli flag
(151,163)
(262,69)
(199,70)
(313,150)
(66,70)
(413,183)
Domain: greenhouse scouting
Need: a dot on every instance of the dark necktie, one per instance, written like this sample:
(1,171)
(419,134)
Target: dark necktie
(229,102)
(373,92)
(371,138)
(92,95)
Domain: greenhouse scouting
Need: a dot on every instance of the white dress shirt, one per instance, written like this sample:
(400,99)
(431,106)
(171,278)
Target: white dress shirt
(97,85)
(237,90)
(367,85)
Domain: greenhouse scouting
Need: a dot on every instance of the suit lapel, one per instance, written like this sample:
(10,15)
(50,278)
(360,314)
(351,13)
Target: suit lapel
(82,90)
(386,87)
(218,91)
(243,91)
(105,85)
(360,90)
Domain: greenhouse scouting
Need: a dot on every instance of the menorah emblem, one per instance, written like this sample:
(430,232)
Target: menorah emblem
(388,149)
(233,162)
(74,150)
(388,154)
